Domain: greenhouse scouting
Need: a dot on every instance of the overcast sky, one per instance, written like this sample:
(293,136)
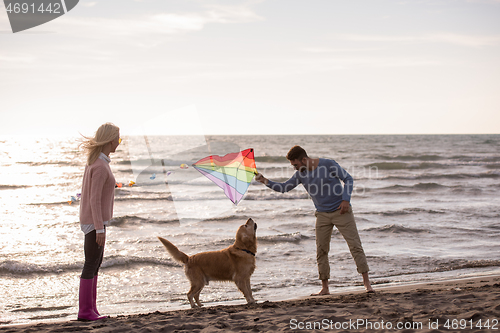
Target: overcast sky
(256,67)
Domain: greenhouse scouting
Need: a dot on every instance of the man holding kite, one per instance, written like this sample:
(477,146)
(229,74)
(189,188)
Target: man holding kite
(321,179)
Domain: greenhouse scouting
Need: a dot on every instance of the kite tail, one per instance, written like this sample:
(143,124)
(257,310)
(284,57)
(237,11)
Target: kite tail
(174,251)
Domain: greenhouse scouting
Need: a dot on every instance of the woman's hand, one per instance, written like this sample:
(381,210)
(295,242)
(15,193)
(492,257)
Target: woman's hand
(100,239)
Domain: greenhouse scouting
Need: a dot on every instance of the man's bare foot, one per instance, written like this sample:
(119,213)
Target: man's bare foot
(324,289)
(366,282)
(322,292)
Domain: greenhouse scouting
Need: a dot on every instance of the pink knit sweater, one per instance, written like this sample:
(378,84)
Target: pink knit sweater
(98,194)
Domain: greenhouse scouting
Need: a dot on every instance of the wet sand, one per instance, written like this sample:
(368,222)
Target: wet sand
(444,306)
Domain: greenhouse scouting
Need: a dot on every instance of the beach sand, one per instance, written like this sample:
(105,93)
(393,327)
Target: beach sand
(429,307)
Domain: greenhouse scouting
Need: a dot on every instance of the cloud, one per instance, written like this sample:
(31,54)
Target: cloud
(4,19)
(448,38)
(485,1)
(337,50)
(88,4)
(17,58)
(292,67)
(161,23)
(345,63)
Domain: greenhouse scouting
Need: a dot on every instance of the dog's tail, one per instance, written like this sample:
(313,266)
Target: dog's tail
(174,251)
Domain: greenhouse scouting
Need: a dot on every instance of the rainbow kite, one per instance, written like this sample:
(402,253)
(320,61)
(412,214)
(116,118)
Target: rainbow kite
(232,172)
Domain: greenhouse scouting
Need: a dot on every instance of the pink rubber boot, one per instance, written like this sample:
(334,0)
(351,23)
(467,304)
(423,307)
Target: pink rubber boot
(85,311)
(94,297)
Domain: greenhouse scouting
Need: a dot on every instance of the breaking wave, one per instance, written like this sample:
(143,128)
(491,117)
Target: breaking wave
(405,166)
(126,220)
(270,159)
(58,163)
(19,268)
(419,186)
(12,187)
(422,265)
(295,237)
(406,211)
(398,229)
(411,157)
(489,174)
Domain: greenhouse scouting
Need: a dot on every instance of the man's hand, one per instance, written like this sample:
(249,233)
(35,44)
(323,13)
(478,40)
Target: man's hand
(344,207)
(260,178)
(100,239)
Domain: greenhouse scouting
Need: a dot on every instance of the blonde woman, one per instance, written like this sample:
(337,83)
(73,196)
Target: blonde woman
(96,209)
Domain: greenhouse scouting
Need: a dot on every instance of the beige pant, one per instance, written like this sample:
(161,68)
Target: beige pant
(347,227)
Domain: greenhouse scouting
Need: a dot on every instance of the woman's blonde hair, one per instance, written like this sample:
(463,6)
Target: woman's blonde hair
(93,146)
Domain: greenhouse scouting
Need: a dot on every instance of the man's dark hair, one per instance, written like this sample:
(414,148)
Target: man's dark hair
(296,153)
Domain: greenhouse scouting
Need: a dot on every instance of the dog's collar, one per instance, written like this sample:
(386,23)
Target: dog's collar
(247,251)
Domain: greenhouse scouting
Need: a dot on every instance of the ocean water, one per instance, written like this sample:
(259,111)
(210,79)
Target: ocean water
(427,208)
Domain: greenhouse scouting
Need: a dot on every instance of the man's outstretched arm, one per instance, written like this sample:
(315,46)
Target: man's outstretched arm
(289,185)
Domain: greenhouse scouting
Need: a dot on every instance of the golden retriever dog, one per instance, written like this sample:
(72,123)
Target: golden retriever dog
(235,263)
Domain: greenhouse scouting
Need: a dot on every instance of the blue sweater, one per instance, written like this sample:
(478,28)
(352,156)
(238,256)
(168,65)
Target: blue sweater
(323,185)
